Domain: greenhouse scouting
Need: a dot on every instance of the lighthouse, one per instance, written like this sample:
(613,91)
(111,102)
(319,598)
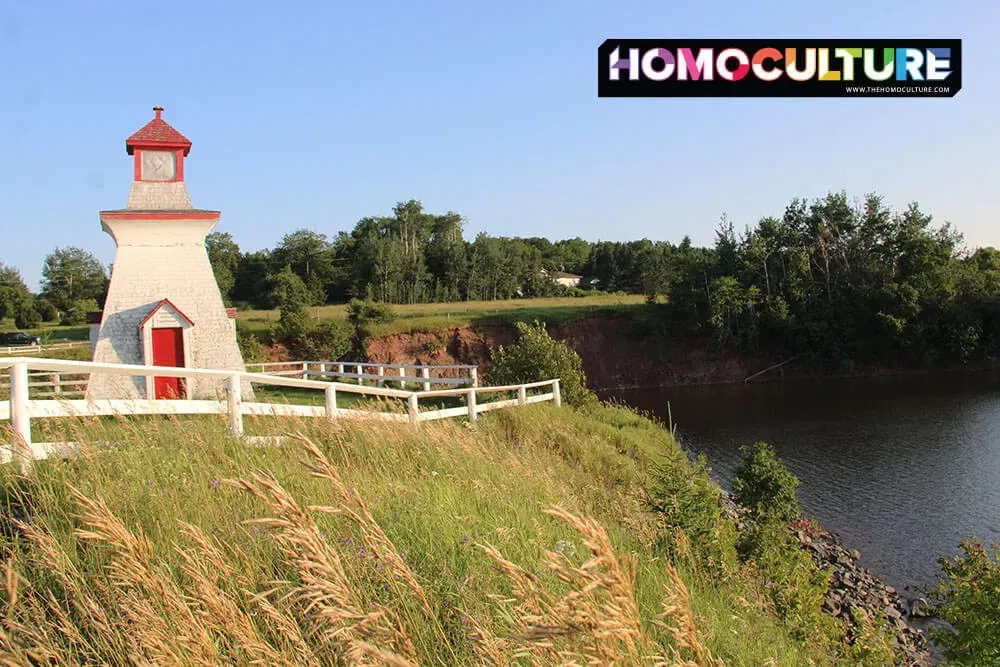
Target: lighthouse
(163,306)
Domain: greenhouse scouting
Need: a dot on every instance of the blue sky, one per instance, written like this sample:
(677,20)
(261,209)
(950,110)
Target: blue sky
(315,114)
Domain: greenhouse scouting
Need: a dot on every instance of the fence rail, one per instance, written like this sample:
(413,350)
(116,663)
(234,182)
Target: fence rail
(20,408)
(379,374)
(38,349)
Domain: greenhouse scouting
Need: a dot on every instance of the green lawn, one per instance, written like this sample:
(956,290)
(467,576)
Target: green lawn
(51,332)
(418,317)
(441,316)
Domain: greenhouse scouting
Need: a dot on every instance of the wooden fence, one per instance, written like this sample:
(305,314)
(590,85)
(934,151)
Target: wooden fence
(21,408)
(21,350)
(375,373)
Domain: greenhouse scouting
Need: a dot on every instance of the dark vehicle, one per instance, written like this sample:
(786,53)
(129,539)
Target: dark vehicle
(13,338)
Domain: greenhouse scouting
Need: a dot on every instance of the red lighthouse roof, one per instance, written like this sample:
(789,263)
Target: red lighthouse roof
(157,133)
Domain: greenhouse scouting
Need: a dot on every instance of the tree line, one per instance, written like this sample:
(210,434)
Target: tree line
(830,279)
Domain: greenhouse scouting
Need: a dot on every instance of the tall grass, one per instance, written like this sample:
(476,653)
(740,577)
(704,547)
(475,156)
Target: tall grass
(525,538)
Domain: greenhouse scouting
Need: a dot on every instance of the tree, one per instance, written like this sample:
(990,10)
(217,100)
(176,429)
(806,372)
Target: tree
(967,597)
(252,281)
(536,356)
(292,296)
(71,275)
(765,486)
(224,255)
(14,293)
(311,257)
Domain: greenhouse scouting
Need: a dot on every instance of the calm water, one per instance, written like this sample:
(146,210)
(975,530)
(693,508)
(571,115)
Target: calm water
(901,468)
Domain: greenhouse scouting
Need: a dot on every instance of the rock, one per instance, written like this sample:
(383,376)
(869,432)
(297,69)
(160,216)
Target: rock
(853,587)
(920,608)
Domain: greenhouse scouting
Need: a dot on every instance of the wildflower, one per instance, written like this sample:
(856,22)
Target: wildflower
(565,547)
(215,483)
(348,541)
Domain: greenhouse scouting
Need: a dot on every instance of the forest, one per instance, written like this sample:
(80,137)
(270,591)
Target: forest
(829,280)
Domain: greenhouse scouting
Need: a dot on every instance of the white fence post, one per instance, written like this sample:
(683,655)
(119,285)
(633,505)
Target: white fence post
(414,408)
(522,395)
(20,417)
(471,401)
(381,374)
(556,396)
(331,402)
(305,370)
(474,374)
(360,371)
(234,398)
(340,371)
(425,373)
(402,373)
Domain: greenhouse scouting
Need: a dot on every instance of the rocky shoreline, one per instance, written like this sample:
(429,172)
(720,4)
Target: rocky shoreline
(855,587)
(852,586)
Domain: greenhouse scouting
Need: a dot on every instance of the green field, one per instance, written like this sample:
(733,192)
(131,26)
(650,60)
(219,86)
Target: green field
(419,317)
(527,538)
(442,316)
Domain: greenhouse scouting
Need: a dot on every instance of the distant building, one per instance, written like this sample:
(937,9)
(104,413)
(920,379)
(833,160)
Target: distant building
(562,278)
(163,306)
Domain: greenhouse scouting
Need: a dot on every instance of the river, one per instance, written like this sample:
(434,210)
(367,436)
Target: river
(901,468)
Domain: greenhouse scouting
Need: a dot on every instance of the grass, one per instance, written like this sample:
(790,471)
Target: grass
(418,317)
(51,332)
(441,316)
(526,538)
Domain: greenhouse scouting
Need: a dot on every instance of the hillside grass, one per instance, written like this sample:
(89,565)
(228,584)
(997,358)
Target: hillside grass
(429,317)
(526,538)
(432,317)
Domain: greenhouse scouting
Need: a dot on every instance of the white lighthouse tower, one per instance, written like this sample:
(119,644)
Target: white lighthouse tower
(163,306)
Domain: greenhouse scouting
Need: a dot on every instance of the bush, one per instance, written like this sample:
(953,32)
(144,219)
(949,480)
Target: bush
(293,299)
(688,499)
(328,341)
(251,347)
(47,310)
(765,486)
(27,316)
(968,598)
(362,313)
(77,312)
(536,356)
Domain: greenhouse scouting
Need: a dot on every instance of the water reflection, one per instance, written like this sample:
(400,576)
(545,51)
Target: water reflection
(902,468)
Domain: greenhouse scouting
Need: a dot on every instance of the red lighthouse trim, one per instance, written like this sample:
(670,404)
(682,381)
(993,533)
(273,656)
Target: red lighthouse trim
(158,135)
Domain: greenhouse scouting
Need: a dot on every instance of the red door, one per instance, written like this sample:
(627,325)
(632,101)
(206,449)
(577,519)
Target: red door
(168,350)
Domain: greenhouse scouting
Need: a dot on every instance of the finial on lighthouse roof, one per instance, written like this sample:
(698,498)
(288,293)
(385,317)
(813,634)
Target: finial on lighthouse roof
(157,134)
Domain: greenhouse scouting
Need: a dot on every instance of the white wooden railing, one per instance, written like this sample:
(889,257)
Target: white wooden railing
(21,408)
(376,373)
(38,349)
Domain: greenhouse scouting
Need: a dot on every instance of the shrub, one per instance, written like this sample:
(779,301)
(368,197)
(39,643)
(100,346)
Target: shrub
(251,347)
(968,598)
(293,300)
(47,310)
(328,341)
(764,485)
(362,313)
(77,312)
(536,356)
(688,499)
(27,316)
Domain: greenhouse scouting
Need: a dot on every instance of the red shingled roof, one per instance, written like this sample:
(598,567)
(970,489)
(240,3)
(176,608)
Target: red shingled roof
(158,132)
